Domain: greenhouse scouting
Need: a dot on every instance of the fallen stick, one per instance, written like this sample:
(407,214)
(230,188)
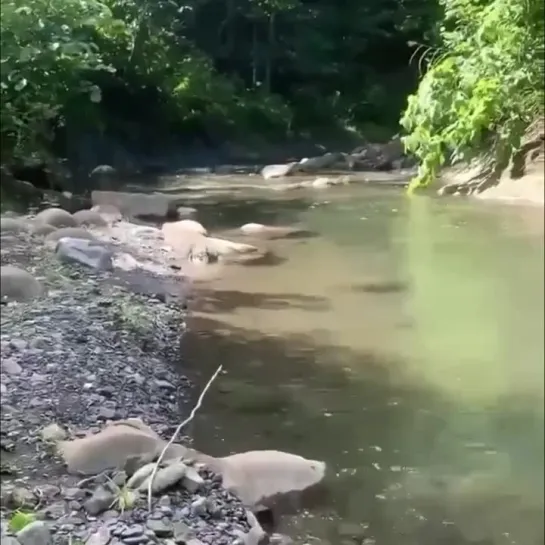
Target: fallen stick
(178,430)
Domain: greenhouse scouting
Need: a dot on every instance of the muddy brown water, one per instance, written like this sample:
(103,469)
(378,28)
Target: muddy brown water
(403,344)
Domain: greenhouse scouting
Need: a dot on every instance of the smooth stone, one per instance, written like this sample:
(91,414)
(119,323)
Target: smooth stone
(35,533)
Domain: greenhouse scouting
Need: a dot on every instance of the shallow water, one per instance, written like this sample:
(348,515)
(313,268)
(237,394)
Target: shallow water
(403,345)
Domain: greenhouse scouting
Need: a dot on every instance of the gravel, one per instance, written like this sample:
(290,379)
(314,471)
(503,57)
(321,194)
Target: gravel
(87,353)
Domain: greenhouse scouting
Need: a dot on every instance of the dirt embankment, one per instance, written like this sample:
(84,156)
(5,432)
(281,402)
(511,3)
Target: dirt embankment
(522,181)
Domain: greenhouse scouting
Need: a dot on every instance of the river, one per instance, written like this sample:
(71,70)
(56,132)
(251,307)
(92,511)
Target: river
(403,344)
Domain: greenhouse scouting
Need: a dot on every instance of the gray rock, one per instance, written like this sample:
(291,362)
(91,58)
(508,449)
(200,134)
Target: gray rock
(90,218)
(101,537)
(84,252)
(9,540)
(278,171)
(69,232)
(23,497)
(323,161)
(160,527)
(18,285)
(182,532)
(35,533)
(42,229)
(137,204)
(101,500)
(11,367)
(55,217)
(198,507)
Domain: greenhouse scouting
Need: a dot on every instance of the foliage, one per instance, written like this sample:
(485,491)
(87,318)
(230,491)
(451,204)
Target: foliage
(19,520)
(483,86)
(220,67)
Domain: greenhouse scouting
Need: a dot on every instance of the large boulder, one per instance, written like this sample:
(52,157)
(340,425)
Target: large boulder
(69,232)
(57,217)
(279,171)
(18,285)
(84,252)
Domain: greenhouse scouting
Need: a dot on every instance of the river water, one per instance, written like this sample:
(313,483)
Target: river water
(403,344)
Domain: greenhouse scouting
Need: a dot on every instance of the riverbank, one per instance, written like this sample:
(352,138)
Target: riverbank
(88,354)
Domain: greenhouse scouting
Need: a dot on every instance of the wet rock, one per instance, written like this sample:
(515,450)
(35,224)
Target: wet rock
(53,433)
(101,500)
(18,285)
(56,217)
(69,232)
(101,537)
(35,533)
(13,225)
(91,218)
(84,252)
(279,171)
(186,212)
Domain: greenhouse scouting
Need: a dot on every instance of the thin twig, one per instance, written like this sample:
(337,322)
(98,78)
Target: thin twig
(178,430)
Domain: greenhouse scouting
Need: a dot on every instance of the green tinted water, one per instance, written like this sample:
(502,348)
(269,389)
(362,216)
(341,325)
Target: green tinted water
(403,345)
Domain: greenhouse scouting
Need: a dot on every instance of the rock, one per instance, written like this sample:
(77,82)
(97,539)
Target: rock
(152,205)
(69,232)
(101,500)
(262,477)
(160,527)
(165,478)
(53,433)
(18,285)
(56,217)
(9,540)
(269,231)
(279,171)
(108,212)
(84,252)
(13,225)
(175,230)
(89,218)
(186,212)
(328,182)
(182,532)
(324,161)
(113,447)
(23,497)
(11,367)
(100,537)
(42,229)
(35,533)
(102,171)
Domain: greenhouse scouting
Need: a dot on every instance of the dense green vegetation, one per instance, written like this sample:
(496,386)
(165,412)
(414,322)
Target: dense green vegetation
(217,70)
(484,85)
(207,68)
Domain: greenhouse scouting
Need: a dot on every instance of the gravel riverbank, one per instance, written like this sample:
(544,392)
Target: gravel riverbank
(89,353)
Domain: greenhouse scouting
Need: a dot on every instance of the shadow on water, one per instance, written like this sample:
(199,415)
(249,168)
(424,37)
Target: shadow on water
(379,430)
(210,300)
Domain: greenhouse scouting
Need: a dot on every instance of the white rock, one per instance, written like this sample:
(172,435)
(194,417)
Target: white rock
(180,228)
(278,171)
(85,252)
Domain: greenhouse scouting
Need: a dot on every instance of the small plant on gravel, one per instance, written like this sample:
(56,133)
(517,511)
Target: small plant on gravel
(132,314)
(19,520)
(125,497)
